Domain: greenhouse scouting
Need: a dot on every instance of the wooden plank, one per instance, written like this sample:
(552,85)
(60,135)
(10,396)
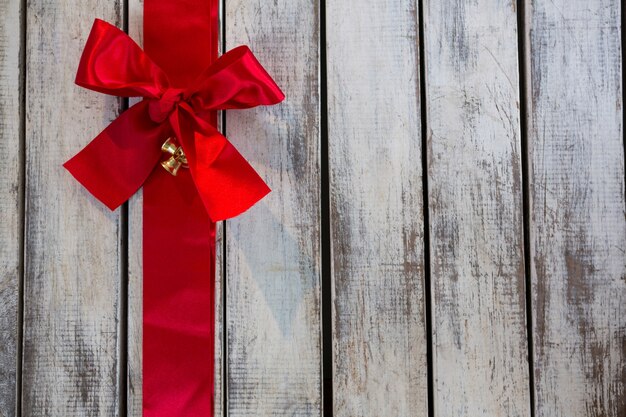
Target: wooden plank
(11,89)
(578,224)
(273,251)
(135,289)
(480,365)
(374,138)
(135,261)
(135,302)
(73,268)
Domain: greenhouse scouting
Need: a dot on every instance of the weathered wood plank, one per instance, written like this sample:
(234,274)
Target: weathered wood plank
(11,90)
(73,268)
(578,224)
(135,260)
(273,250)
(374,137)
(135,290)
(480,361)
(218,395)
(135,301)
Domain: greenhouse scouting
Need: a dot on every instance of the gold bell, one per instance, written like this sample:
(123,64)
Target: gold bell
(169,146)
(172,165)
(177,158)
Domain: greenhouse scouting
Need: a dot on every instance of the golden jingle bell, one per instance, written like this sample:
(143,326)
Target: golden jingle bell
(177,158)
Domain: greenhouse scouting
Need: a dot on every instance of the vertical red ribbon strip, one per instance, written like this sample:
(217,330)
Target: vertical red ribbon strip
(181,37)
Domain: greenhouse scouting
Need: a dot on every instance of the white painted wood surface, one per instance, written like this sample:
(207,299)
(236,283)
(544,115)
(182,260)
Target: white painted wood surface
(374,140)
(135,259)
(273,251)
(480,365)
(11,134)
(72,248)
(73,282)
(578,224)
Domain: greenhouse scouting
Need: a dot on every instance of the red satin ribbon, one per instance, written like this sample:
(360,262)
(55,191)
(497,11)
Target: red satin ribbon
(182,89)
(118,161)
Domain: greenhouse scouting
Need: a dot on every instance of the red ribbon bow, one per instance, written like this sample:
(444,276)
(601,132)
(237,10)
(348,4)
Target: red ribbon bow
(118,161)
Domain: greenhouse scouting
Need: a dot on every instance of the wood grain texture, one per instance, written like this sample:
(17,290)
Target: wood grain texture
(480,361)
(135,262)
(578,224)
(577,215)
(135,302)
(374,138)
(72,260)
(273,250)
(11,112)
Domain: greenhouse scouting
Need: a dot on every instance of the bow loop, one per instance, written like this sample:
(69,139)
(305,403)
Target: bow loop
(112,63)
(235,81)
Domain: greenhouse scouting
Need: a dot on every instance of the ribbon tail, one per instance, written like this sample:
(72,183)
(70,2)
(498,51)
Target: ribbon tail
(116,163)
(226,182)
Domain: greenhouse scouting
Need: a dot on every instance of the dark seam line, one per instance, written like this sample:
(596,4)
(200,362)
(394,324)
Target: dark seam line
(21,210)
(224,341)
(124,270)
(522,52)
(622,32)
(123,311)
(224,373)
(326,255)
(425,205)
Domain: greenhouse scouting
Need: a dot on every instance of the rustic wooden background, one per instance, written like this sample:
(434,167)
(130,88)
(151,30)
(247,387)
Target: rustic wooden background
(446,236)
